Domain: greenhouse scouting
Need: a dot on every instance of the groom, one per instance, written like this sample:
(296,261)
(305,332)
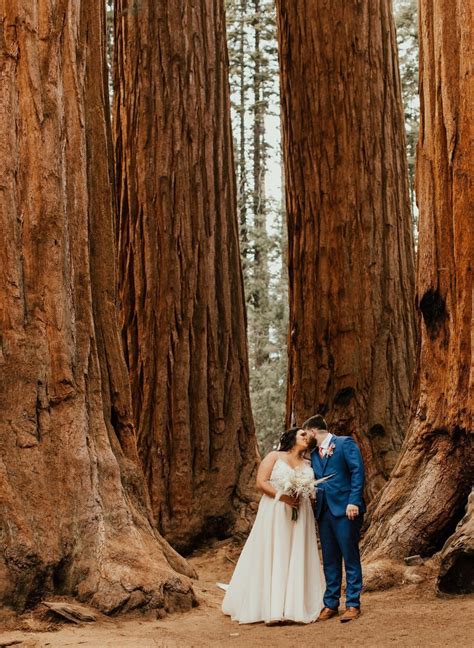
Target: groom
(339,512)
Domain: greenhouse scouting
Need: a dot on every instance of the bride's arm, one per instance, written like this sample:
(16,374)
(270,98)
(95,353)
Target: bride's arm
(263,475)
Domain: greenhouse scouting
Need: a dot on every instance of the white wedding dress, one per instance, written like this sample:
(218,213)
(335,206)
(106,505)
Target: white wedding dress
(279,574)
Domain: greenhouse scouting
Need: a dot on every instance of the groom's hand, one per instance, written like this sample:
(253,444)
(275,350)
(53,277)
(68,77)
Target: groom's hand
(352,511)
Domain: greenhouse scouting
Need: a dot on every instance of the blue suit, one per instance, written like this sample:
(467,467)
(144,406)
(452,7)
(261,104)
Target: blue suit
(339,535)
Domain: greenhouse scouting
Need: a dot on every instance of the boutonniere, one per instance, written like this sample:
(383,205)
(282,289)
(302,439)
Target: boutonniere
(330,450)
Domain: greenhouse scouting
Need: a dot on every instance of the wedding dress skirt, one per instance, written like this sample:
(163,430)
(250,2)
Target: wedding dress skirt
(279,575)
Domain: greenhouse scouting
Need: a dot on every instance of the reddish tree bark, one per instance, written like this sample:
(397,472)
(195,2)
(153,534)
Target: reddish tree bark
(180,283)
(427,493)
(74,517)
(350,247)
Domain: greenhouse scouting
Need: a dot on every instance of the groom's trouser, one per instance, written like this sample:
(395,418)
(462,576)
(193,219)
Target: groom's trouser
(340,540)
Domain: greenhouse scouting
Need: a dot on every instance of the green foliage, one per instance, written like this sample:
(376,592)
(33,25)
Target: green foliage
(406,20)
(251,32)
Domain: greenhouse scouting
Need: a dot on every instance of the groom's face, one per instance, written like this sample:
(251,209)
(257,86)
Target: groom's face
(312,440)
(317,436)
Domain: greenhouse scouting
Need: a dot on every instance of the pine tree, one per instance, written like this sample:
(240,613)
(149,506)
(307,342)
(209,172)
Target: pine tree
(238,45)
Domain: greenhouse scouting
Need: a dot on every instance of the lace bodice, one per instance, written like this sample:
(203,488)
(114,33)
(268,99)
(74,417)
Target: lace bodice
(281,471)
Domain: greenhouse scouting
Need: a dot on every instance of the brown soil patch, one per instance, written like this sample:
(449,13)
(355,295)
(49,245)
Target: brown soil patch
(408,616)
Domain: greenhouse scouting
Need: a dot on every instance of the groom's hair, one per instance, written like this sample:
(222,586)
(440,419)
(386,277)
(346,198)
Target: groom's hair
(315,422)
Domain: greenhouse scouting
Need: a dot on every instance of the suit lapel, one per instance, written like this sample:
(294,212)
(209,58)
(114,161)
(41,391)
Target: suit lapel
(318,458)
(326,458)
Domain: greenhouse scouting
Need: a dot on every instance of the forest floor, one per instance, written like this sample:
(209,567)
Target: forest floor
(406,616)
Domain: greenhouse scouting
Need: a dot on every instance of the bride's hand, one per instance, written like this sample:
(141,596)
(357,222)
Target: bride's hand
(291,501)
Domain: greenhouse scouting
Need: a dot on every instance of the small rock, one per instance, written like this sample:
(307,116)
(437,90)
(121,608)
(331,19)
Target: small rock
(411,561)
(160,613)
(414,578)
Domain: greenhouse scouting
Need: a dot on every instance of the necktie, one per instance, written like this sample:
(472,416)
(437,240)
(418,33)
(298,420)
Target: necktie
(321,452)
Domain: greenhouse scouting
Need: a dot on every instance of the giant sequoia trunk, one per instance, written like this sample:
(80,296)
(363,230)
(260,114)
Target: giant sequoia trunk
(427,493)
(73,515)
(350,247)
(180,283)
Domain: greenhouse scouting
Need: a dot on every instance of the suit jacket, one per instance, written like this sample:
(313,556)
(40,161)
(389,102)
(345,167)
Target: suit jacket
(347,485)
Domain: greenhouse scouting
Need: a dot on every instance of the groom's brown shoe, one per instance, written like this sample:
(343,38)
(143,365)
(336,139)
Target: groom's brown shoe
(350,614)
(327,613)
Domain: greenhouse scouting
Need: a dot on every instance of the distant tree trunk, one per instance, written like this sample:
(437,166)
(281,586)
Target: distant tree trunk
(73,515)
(427,493)
(350,247)
(242,161)
(259,298)
(180,282)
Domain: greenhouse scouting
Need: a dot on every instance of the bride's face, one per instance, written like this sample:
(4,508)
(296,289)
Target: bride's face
(302,439)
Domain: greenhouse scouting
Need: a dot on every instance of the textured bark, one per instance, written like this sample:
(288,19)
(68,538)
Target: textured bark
(180,284)
(73,504)
(427,493)
(350,247)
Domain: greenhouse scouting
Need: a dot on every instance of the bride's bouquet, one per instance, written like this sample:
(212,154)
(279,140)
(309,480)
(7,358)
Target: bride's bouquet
(300,484)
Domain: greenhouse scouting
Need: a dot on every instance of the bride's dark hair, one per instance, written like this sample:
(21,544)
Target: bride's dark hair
(288,439)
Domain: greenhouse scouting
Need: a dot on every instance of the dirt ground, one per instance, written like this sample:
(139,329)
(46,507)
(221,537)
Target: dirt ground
(406,616)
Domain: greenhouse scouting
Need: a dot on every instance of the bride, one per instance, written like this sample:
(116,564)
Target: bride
(278,576)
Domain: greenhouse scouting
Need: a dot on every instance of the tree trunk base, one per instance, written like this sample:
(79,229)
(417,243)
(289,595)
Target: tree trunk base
(138,580)
(117,578)
(113,562)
